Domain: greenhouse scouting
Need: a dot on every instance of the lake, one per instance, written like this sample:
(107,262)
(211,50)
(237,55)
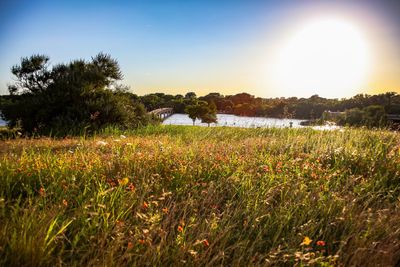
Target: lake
(235,121)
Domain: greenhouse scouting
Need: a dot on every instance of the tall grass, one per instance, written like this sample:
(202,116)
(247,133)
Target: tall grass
(176,195)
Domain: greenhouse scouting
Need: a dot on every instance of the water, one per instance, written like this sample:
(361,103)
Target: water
(235,121)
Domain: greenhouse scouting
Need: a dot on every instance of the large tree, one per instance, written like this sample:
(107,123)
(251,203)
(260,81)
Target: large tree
(203,111)
(69,98)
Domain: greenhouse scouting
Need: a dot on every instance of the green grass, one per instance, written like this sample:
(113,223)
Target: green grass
(176,195)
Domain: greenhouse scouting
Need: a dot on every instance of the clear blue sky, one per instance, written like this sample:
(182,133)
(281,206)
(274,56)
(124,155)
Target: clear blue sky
(180,46)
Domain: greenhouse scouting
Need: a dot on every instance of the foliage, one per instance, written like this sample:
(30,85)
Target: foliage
(209,118)
(69,98)
(203,111)
(6,133)
(244,104)
(371,116)
(196,196)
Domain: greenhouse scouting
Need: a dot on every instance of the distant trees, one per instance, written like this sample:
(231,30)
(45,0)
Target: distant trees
(74,97)
(244,104)
(371,116)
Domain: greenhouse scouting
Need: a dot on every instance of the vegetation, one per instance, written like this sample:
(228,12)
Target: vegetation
(244,104)
(371,116)
(78,97)
(203,111)
(174,195)
(82,97)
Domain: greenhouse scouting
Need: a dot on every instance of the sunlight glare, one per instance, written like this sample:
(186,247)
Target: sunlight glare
(329,57)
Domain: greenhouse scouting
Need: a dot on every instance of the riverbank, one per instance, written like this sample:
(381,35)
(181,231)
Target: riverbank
(177,195)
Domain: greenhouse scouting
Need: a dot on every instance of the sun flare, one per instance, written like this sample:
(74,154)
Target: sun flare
(325,56)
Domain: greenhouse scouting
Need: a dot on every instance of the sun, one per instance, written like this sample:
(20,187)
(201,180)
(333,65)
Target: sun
(329,57)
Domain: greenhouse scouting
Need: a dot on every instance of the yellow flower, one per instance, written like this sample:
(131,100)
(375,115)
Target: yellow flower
(306,241)
(123,181)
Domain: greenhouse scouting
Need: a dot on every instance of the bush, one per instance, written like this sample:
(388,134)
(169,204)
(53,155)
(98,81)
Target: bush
(371,116)
(70,98)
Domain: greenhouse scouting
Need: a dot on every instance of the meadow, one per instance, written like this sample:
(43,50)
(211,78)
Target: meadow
(184,196)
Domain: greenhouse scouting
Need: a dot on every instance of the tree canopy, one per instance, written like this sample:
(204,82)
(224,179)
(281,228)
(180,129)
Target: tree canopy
(202,111)
(80,95)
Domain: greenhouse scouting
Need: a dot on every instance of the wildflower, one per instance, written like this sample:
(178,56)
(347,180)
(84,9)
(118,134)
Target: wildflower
(306,241)
(119,223)
(192,252)
(123,181)
(180,229)
(265,168)
(145,205)
(101,143)
(321,243)
(131,187)
(145,231)
(42,192)
(130,245)
(142,241)
(65,203)
(205,243)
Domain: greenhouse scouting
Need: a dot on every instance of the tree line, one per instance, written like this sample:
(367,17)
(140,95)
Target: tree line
(361,109)
(86,96)
(244,104)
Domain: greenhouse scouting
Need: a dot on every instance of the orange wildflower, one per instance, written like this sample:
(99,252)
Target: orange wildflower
(42,192)
(321,243)
(130,245)
(145,205)
(180,229)
(142,241)
(205,243)
(131,187)
(119,223)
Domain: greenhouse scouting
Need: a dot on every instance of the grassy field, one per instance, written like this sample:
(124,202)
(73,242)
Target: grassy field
(176,195)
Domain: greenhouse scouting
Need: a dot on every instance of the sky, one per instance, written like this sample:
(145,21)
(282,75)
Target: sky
(266,48)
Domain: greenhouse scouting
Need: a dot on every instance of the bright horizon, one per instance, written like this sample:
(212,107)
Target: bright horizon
(265,48)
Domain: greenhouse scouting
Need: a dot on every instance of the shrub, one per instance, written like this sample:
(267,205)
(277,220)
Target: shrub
(69,98)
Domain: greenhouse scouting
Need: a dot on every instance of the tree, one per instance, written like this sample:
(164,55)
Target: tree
(190,95)
(374,116)
(201,111)
(70,98)
(193,112)
(209,118)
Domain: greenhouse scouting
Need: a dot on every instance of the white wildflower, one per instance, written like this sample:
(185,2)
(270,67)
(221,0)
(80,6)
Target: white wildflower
(101,143)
